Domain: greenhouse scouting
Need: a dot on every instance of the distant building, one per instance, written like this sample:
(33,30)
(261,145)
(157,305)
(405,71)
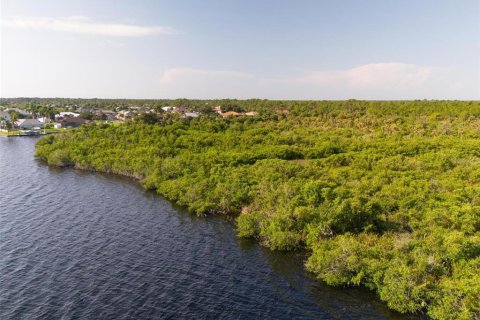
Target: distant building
(105,115)
(230,113)
(66,115)
(124,115)
(191,114)
(178,110)
(168,108)
(28,124)
(106,111)
(72,122)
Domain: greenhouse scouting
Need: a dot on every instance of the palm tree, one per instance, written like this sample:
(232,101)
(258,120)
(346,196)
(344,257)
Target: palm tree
(34,109)
(14,118)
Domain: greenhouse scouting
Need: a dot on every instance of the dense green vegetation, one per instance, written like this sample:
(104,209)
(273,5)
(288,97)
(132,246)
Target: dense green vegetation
(384,195)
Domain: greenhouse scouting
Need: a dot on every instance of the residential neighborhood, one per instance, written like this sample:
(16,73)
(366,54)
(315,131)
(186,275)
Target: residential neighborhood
(52,116)
(42,118)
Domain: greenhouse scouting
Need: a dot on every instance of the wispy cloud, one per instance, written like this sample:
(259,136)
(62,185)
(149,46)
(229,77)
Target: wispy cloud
(85,25)
(111,43)
(393,80)
(187,82)
(174,74)
(374,75)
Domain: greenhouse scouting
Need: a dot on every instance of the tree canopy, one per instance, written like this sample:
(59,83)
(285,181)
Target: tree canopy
(384,195)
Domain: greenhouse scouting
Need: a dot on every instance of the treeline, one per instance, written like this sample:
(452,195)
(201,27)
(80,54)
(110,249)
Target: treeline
(384,195)
(298,107)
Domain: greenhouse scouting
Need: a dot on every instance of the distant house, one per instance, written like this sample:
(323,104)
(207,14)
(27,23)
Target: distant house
(66,115)
(104,111)
(230,113)
(105,115)
(124,115)
(73,122)
(191,114)
(179,110)
(168,108)
(28,124)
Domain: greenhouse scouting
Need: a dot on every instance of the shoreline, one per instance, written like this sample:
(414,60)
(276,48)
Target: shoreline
(343,192)
(121,204)
(25,133)
(301,253)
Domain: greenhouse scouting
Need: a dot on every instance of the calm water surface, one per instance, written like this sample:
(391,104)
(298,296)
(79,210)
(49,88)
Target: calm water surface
(76,245)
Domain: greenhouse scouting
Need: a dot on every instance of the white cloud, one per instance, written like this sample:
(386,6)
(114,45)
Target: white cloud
(186,82)
(172,75)
(111,43)
(389,74)
(371,81)
(374,75)
(85,25)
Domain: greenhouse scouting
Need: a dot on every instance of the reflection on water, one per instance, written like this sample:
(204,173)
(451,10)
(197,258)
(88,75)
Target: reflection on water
(77,245)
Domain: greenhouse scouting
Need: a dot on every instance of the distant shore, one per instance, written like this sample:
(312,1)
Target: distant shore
(29,133)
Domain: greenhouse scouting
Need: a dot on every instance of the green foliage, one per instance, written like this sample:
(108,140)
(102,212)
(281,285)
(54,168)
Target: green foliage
(60,158)
(86,115)
(457,296)
(384,195)
(147,118)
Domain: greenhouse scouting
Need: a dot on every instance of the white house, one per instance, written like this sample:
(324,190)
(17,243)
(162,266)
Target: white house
(124,115)
(67,114)
(191,114)
(28,124)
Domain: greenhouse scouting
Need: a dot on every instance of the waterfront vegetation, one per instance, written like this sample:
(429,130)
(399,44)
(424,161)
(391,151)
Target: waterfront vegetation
(11,133)
(22,132)
(384,195)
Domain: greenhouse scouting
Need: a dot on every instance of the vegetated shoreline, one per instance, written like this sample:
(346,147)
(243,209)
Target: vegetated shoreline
(301,252)
(385,201)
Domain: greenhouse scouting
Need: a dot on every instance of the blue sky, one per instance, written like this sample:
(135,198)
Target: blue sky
(371,49)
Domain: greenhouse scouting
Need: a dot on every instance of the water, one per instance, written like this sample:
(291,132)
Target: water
(76,245)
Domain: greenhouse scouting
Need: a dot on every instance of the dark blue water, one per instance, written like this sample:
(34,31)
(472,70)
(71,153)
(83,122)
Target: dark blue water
(76,245)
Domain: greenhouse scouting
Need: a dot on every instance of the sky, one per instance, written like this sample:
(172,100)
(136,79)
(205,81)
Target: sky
(273,49)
